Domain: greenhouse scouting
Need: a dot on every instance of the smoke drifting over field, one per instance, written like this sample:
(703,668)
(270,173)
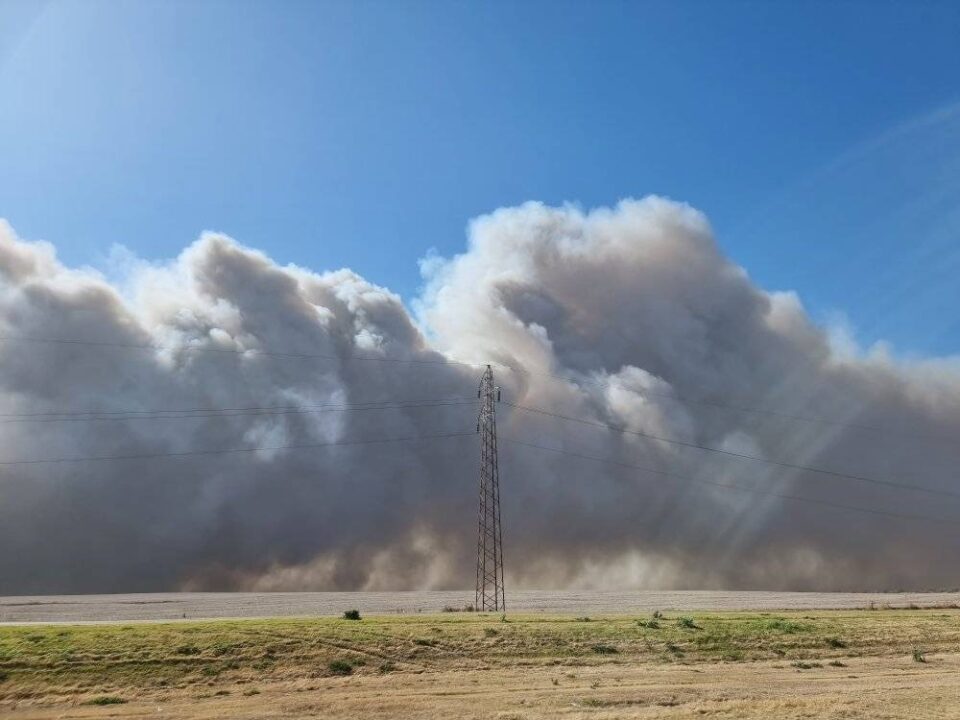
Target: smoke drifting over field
(620,316)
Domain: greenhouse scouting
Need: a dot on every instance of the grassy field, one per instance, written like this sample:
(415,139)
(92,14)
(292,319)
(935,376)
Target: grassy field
(870,663)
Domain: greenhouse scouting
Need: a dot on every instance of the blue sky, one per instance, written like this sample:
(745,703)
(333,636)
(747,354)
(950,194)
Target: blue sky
(822,140)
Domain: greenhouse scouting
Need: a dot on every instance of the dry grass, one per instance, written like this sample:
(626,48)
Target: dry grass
(785,665)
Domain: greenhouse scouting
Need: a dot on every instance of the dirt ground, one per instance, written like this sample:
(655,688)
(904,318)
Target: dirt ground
(872,688)
(862,664)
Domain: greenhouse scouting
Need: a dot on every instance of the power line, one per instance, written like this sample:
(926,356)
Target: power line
(731,453)
(228,351)
(201,413)
(740,408)
(227,451)
(732,486)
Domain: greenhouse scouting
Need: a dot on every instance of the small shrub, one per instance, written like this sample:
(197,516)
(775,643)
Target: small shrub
(555,681)
(836,663)
(602,649)
(340,667)
(105,700)
(918,656)
(687,623)
(351,614)
(386,667)
(424,642)
(657,615)
(652,624)
(836,643)
(582,619)
(801,665)
(187,650)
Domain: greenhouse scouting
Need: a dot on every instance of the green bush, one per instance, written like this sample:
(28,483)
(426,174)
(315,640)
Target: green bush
(351,615)
(105,700)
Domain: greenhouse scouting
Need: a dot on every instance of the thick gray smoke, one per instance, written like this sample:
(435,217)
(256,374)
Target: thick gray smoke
(627,316)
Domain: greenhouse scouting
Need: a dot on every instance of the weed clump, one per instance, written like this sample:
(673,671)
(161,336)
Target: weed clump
(602,649)
(785,626)
(801,665)
(836,643)
(386,667)
(105,700)
(688,623)
(918,656)
(351,614)
(340,667)
(652,624)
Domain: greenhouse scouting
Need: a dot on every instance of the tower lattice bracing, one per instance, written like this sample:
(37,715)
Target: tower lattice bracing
(490,595)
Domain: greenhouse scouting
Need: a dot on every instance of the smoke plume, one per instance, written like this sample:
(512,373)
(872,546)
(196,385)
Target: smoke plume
(341,453)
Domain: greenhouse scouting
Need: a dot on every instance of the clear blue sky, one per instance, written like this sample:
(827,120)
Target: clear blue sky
(823,140)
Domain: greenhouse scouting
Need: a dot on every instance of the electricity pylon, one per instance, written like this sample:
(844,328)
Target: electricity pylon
(490,594)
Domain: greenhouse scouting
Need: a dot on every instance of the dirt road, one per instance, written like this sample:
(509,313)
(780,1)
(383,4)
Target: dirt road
(173,606)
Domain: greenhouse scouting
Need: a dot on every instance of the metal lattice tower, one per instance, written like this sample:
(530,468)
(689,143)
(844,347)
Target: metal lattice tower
(490,594)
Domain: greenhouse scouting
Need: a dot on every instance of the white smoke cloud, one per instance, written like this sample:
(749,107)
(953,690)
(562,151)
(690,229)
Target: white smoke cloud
(628,316)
